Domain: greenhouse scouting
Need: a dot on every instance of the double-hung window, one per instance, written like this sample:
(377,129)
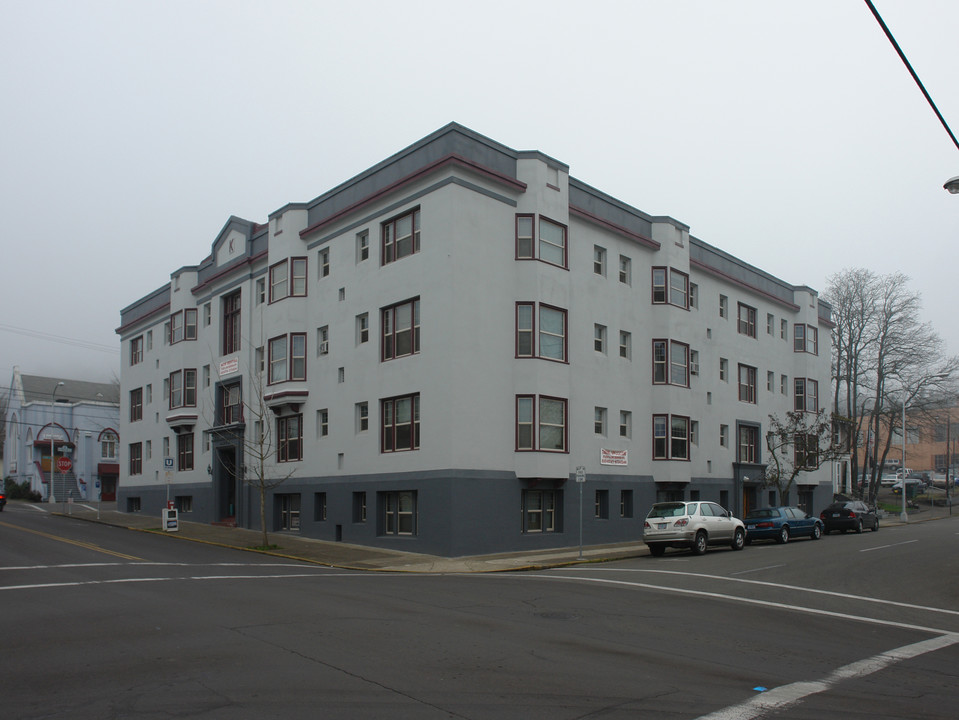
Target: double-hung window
(401,329)
(670,287)
(231,406)
(289,434)
(806,395)
(806,449)
(541,423)
(136,350)
(182,388)
(748,444)
(670,437)
(540,331)
(747,320)
(670,363)
(401,423)
(136,458)
(747,384)
(287,358)
(184,451)
(549,245)
(288,279)
(401,236)
(136,404)
(231,323)
(806,339)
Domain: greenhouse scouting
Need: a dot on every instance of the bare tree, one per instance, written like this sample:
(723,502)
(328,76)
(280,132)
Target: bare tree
(802,442)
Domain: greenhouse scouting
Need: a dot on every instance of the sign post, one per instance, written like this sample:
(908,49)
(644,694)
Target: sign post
(581,480)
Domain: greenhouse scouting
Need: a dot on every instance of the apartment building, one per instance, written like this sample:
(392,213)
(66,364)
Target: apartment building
(463,350)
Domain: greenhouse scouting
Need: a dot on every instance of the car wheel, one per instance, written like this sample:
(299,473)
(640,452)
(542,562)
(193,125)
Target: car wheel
(657,550)
(783,536)
(816,532)
(859,526)
(739,539)
(876,526)
(700,543)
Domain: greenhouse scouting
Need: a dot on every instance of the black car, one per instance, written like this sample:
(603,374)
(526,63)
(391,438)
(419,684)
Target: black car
(3,500)
(849,515)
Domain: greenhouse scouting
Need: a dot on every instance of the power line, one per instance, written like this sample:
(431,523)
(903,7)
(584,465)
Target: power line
(74,342)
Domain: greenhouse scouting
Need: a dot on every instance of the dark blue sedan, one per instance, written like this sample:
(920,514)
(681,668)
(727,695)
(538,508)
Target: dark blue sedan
(780,524)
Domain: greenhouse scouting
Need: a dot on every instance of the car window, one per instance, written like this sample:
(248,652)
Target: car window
(665,510)
(760,514)
(692,508)
(715,510)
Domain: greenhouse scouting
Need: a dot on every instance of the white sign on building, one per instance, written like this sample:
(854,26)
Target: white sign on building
(613,457)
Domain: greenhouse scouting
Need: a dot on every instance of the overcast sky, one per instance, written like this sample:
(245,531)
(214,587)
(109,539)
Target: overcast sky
(788,134)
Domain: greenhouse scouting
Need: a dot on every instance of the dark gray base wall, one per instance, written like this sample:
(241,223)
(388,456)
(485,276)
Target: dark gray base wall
(456,512)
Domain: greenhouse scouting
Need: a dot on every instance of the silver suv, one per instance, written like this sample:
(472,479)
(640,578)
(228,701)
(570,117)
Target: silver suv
(693,525)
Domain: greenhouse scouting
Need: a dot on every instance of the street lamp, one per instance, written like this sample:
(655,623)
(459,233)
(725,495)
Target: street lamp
(903,516)
(53,451)
(952,185)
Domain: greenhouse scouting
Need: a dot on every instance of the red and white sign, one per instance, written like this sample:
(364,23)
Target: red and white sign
(230,366)
(64,464)
(613,457)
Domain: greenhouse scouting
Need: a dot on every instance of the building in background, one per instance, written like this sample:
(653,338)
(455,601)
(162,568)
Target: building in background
(63,434)
(427,354)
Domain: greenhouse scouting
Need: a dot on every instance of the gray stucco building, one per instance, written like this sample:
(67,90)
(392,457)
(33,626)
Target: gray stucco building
(428,352)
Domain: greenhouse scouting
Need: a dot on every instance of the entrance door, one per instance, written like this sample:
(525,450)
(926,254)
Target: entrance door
(226,467)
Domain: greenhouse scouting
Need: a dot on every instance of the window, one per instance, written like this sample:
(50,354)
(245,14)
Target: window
(747,320)
(783,383)
(184,451)
(599,338)
(551,246)
(551,421)
(806,339)
(149,339)
(748,444)
(136,458)
(625,270)
(260,291)
(206,376)
(626,503)
(176,328)
(770,323)
(783,328)
(670,437)
(670,286)
(136,404)
(770,380)
(625,424)
(599,421)
(298,277)
(551,335)
(362,246)
(108,446)
(323,422)
(670,363)
(602,505)
(693,295)
(401,423)
(323,340)
(231,323)
(362,417)
(288,279)
(207,314)
(287,358)
(724,435)
(319,507)
(694,362)
(182,388)
(599,260)
(399,512)
(694,432)
(136,350)
(806,449)
(723,306)
(724,370)
(359,507)
(747,384)
(806,395)
(362,328)
(625,344)
(401,329)
(323,262)
(540,510)
(231,407)
(289,434)
(401,237)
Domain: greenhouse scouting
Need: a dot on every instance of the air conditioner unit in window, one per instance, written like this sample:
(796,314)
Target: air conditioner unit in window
(324,347)
(694,368)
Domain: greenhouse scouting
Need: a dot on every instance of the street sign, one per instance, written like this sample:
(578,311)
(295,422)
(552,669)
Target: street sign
(580,473)
(167,463)
(64,464)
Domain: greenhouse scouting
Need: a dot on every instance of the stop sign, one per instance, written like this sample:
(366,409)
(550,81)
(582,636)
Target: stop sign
(64,464)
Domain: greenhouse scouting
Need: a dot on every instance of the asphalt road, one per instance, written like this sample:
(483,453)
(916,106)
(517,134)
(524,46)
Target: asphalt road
(99,622)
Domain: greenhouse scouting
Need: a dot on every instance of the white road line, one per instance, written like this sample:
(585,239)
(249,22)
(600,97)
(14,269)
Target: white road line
(780,586)
(782,697)
(121,581)
(883,547)
(768,567)
(155,564)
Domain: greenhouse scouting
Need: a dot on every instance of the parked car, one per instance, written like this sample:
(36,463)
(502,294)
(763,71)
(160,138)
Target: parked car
(693,525)
(3,501)
(914,486)
(888,480)
(849,515)
(780,524)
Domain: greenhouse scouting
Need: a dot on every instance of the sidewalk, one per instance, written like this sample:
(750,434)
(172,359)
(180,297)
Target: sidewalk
(345,555)
(360,557)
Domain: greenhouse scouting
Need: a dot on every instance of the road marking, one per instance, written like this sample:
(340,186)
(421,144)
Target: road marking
(152,564)
(123,581)
(781,586)
(88,546)
(784,696)
(754,601)
(882,547)
(768,567)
